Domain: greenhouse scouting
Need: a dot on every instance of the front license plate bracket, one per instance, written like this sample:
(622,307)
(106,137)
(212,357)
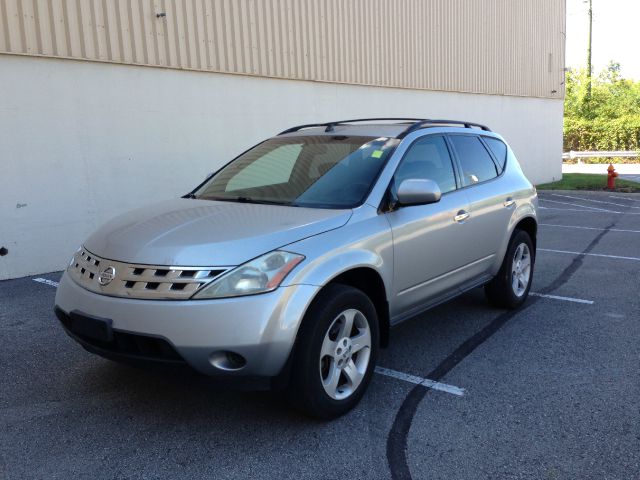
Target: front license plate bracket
(90,326)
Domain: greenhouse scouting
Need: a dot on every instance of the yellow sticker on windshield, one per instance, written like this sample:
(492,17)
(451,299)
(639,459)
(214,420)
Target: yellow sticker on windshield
(376,153)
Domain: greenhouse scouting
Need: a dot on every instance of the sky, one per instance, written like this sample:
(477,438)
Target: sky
(615,35)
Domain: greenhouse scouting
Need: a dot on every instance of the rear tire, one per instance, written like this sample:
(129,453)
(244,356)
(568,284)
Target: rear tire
(335,353)
(510,287)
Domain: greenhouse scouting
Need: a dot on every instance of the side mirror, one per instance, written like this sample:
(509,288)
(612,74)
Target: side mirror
(413,191)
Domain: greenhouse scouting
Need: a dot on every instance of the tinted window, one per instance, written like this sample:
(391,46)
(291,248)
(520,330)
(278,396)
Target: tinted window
(428,158)
(499,150)
(476,162)
(308,171)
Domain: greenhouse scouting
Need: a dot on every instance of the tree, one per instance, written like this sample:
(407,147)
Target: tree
(609,118)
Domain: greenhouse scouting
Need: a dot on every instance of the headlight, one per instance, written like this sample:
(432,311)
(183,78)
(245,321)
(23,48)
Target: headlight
(260,275)
(72,260)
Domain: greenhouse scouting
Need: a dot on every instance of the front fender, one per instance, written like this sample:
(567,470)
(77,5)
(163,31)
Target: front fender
(363,244)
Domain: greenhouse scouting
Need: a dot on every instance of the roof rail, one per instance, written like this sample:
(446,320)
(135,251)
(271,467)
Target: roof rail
(330,125)
(417,123)
(427,123)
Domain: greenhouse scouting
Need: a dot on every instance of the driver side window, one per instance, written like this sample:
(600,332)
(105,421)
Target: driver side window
(428,158)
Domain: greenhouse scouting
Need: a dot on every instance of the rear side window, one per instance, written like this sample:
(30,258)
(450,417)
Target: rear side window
(499,150)
(477,165)
(428,158)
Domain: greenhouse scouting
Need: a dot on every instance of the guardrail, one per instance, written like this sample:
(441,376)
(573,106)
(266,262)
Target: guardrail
(604,154)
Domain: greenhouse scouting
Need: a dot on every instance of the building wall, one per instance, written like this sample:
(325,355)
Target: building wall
(507,47)
(84,141)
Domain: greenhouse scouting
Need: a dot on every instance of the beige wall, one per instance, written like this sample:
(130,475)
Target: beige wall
(509,47)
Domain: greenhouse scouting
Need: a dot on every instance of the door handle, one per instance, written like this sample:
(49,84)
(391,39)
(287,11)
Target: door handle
(509,202)
(461,216)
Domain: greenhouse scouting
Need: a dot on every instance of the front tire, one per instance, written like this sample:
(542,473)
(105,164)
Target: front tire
(336,352)
(510,287)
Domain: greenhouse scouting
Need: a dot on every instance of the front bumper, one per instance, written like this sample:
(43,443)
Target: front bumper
(260,328)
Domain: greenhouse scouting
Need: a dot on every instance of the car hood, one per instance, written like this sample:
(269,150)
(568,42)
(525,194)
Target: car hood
(189,232)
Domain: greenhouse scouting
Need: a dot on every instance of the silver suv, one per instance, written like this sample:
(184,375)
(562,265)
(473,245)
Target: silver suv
(289,265)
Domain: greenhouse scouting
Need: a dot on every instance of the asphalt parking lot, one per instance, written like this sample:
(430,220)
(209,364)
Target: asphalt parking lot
(549,392)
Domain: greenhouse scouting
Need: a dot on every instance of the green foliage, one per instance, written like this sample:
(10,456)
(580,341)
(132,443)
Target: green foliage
(622,133)
(609,119)
(589,181)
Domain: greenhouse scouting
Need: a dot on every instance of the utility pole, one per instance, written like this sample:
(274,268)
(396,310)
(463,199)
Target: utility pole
(589,68)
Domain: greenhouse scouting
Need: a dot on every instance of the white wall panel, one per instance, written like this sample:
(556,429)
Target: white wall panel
(84,141)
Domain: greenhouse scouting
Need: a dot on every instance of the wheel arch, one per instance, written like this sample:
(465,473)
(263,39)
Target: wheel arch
(369,281)
(526,221)
(529,225)
(363,277)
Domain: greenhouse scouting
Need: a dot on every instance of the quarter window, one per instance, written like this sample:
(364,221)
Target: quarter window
(477,165)
(428,158)
(499,150)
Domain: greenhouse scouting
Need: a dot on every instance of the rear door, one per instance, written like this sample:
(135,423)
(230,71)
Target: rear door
(430,246)
(490,200)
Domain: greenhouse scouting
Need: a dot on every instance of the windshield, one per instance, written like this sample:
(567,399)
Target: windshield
(311,171)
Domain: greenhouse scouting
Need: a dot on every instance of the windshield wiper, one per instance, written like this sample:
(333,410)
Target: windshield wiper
(260,201)
(242,199)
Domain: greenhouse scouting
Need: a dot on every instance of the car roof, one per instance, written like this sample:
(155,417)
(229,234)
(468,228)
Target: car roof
(382,127)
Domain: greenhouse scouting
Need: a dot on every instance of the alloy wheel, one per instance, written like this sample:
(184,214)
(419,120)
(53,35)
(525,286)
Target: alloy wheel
(521,270)
(345,354)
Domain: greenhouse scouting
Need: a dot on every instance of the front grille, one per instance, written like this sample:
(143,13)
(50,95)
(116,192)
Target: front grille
(159,282)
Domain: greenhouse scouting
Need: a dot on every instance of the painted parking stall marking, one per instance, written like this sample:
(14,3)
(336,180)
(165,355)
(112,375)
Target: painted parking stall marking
(624,198)
(620,257)
(46,281)
(589,228)
(558,297)
(586,211)
(425,382)
(577,205)
(592,200)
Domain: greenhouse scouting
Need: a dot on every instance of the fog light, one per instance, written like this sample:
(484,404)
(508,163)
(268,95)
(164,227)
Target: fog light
(226,360)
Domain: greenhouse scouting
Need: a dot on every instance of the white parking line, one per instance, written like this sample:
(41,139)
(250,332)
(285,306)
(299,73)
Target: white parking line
(557,297)
(46,281)
(624,198)
(566,209)
(585,211)
(576,205)
(589,228)
(592,200)
(442,387)
(589,254)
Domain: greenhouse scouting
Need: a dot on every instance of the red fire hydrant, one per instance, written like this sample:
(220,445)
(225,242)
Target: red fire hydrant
(611,177)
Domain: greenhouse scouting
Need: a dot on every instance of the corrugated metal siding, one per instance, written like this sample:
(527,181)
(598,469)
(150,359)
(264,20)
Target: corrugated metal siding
(511,47)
